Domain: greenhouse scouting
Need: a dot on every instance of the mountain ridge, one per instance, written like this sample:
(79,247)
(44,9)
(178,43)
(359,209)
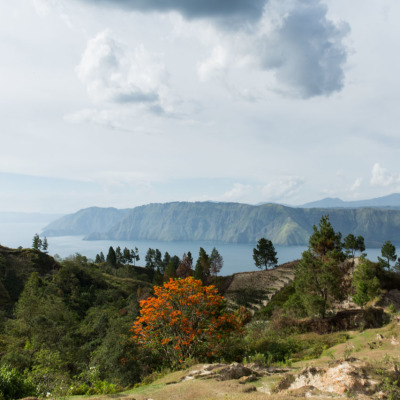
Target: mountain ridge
(226,222)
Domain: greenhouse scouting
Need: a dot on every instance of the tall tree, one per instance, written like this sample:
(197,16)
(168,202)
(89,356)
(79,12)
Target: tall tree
(36,242)
(170,272)
(111,257)
(185,268)
(365,282)
(388,252)
(45,245)
(150,259)
(317,275)
(135,255)
(118,255)
(158,261)
(216,262)
(353,244)
(202,269)
(264,254)
(166,259)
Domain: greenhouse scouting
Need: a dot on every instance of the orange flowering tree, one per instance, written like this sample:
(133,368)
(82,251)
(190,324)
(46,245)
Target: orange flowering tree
(184,319)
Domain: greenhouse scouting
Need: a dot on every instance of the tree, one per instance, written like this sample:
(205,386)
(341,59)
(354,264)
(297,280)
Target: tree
(36,242)
(216,262)
(265,255)
(170,271)
(166,259)
(126,256)
(45,245)
(135,255)
(118,255)
(202,268)
(184,319)
(150,259)
(111,257)
(317,275)
(365,282)
(353,244)
(184,269)
(388,252)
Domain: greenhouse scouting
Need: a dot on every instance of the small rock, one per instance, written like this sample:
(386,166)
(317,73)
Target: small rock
(379,337)
(394,341)
(249,389)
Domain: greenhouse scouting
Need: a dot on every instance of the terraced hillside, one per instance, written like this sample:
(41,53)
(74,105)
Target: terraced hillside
(255,289)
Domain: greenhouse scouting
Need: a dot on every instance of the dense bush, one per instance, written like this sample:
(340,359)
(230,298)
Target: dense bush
(13,385)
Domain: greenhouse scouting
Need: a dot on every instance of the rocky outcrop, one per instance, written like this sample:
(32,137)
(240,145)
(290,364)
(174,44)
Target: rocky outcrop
(342,378)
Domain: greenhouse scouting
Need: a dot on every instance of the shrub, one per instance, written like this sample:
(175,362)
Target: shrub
(13,385)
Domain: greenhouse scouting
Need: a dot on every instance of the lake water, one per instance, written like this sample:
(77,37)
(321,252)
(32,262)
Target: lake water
(237,257)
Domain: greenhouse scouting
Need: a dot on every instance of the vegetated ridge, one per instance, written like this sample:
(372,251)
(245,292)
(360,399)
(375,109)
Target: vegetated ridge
(225,222)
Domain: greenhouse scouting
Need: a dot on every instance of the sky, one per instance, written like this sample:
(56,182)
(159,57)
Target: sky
(119,103)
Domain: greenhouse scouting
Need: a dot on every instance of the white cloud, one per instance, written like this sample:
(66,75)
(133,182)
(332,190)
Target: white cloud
(215,65)
(282,189)
(356,185)
(239,192)
(112,73)
(382,177)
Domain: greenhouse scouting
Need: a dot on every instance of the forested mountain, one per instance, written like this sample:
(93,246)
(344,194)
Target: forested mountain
(226,222)
(93,219)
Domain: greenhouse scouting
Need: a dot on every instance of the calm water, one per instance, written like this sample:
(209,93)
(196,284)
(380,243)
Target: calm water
(237,257)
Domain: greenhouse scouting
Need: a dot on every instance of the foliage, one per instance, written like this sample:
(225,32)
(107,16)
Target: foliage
(202,268)
(365,282)
(184,319)
(13,385)
(264,254)
(353,244)
(185,268)
(388,252)
(39,244)
(111,257)
(317,275)
(216,262)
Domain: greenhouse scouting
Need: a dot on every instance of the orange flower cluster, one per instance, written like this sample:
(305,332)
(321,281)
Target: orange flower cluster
(184,319)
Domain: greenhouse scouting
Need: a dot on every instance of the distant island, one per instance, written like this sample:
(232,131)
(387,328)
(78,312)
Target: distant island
(377,220)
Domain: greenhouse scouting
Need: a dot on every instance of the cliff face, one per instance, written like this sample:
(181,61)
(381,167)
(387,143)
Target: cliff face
(226,222)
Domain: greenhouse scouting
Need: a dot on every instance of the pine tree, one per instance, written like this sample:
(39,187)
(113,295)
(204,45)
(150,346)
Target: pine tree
(45,245)
(111,257)
(216,262)
(36,242)
(317,275)
(265,255)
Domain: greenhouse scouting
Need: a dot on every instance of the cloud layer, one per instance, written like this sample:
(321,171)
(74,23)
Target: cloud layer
(233,11)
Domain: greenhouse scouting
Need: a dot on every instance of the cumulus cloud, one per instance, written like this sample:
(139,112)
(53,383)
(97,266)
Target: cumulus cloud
(303,47)
(113,74)
(228,12)
(382,177)
(282,189)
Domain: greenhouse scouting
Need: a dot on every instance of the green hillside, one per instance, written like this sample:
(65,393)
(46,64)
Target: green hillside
(241,223)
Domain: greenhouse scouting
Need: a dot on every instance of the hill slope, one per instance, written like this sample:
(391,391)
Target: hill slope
(226,222)
(93,219)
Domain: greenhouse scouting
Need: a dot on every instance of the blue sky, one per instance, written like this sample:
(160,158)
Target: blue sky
(122,103)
